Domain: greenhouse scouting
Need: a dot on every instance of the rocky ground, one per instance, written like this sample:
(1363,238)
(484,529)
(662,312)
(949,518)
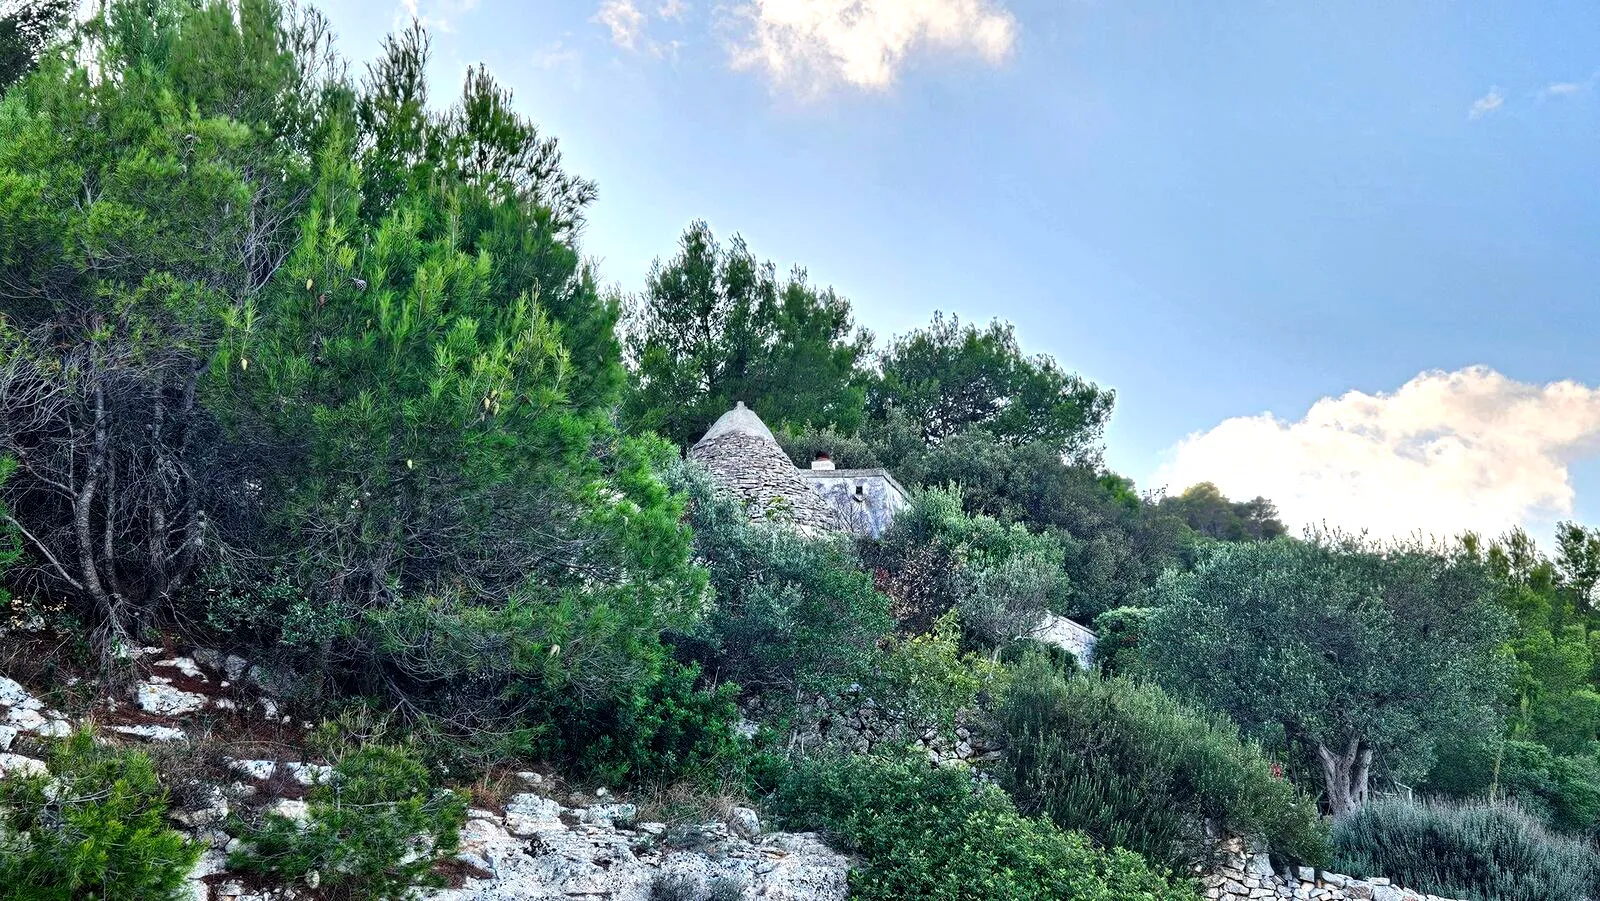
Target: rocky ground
(529,848)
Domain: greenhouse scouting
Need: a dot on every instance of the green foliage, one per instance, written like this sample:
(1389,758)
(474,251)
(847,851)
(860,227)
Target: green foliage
(574,676)
(928,678)
(679,730)
(461,524)
(932,834)
(715,326)
(25,31)
(10,541)
(1477,851)
(1562,791)
(1118,633)
(429,429)
(949,377)
(1553,694)
(244,606)
(150,179)
(93,829)
(1204,509)
(935,557)
(1130,766)
(375,830)
(789,613)
(1349,654)
(1578,562)
(1113,543)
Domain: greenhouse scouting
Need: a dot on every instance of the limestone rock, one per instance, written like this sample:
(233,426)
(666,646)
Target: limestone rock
(309,774)
(151,733)
(530,814)
(13,695)
(254,769)
(610,814)
(164,700)
(745,823)
(292,809)
(185,665)
(18,765)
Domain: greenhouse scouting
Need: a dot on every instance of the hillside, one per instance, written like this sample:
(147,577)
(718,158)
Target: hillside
(357,545)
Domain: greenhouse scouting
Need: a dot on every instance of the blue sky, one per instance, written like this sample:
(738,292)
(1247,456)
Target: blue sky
(1221,210)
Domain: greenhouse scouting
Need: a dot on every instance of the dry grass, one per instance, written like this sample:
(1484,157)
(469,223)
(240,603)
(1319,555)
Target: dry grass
(687,804)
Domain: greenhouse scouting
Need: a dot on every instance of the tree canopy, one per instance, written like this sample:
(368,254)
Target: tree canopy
(715,326)
(950,377)
(26,28)
(1354,656)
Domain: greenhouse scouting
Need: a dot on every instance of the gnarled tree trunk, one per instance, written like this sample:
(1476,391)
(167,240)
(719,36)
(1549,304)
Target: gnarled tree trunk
(1345,775)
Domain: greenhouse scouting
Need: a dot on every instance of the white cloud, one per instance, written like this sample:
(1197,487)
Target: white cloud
(810,45)
(438,15)
(625,21)
(1568,88)
(556,55)
(1486,104)
(1448,451)
(672,9)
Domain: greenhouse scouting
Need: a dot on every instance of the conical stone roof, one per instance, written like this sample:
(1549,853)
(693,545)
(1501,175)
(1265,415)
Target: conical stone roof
(744,458)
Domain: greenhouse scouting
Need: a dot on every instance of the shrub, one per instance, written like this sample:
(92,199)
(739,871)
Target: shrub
(1134,768)
(935,557)
(675,731)
(1562,791)
(375,829)
(928,679)
(10,544)
(933,834)
(1478,851)
(790,613)
(1119,632)
(94,829)
(575,676)
(1004,602)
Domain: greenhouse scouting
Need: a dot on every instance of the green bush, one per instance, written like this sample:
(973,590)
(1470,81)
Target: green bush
(10,543)
(94,829)
(932,834)
(935,557)
(1134,768)
(675,731)
(1118,633)
(1477,851)
(375,830)
(1562,791)
(927,678)
(790,613)
(573,678)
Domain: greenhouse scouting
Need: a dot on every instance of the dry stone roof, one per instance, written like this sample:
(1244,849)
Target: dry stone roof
(744,458)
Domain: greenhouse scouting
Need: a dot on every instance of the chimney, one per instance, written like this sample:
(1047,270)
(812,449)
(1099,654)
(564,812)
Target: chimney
(823,461)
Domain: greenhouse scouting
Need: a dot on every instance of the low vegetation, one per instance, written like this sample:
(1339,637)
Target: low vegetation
(1477,851)
(1126,764)
(306,364)
(94,827)
(373,831)
(930,833)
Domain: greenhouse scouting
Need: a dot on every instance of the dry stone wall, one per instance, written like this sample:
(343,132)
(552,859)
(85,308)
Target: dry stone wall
(1246,874)
(858,725)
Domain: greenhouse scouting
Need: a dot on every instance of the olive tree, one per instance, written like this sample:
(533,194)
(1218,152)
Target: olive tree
(1353,655)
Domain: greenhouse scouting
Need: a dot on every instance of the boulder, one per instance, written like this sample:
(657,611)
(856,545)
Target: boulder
(164,700)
